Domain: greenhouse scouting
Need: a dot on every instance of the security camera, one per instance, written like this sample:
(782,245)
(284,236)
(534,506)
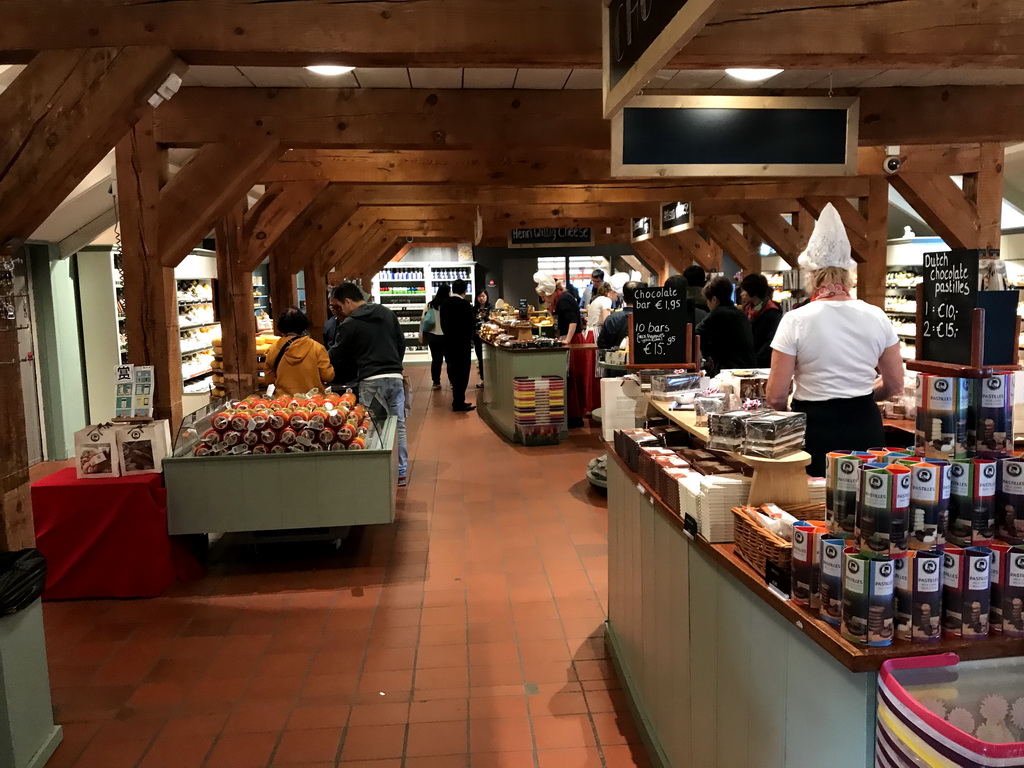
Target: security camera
(892,164)
(409,239)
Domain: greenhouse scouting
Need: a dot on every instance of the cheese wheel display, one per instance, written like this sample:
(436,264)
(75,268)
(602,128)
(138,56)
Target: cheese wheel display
(288,437)
(299,419)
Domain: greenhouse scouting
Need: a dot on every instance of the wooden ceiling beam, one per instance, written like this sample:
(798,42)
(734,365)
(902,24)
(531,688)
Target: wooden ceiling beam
(569,166)
(828,35)
(787,241)
(707,255)
(984,189)
(61,116)
(943,206)
(733,242)
(305,237)
(206,188)
(278,206)
(668,249)
(472,119)
(375,235)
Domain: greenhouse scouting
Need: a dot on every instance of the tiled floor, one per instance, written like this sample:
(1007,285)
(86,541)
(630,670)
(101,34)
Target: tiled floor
(469,633)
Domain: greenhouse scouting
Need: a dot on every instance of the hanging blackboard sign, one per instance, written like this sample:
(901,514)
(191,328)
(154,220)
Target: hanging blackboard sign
(642,229)
(550,237)
(658,328)
(950,296)
(675,217)
(1000,326)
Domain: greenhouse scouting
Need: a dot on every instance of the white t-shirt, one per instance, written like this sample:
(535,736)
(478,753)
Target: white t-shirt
(837,345)
(594,311)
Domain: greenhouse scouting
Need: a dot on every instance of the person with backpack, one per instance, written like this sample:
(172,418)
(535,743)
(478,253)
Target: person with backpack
(297,364)
(432,334)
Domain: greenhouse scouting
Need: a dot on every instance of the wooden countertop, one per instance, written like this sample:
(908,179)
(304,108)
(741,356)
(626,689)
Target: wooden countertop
(688,421)
(856,658)
(903,425)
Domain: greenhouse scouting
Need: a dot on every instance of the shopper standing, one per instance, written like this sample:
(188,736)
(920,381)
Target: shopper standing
(433,335)
(459,321)
(596,281)
(763,313)
(726,340)
(482,308)
(297,364)
(616,327)
(599,310)
(834,349)
(372,336)
(346,375)
(566,312)
(697,278)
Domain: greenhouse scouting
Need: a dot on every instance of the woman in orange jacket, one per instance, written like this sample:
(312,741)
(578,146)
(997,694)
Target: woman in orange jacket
(296,363)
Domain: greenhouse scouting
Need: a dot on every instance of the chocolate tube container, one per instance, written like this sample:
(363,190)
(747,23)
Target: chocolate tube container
(1008,590)
(990,415)
(941,427)
(929,504)
(1010,501)
(868,601)
(918,585)
(972,505)
(966,592)
(842,481)
(806,566)
(883,511)
(830,587)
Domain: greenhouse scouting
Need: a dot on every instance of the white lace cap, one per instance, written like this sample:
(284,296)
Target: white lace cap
(829,245)
(618,281)
(545,283)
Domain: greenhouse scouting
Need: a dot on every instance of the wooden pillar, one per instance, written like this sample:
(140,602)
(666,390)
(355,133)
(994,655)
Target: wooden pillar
(871,271)
(237,318)
(732,241)
(150,291)
(984,190)
(16,529)
(284,289)
(316,300)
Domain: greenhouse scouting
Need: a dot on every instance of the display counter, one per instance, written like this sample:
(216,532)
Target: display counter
(502,365)
(284,491)
(719,669)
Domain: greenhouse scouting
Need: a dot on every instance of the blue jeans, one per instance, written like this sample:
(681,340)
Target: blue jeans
(392,392)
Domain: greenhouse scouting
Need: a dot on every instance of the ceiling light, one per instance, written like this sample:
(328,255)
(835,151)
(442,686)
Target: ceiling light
(330,70)
(752,75)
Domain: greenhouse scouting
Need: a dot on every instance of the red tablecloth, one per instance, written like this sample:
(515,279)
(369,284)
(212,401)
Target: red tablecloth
(106,537)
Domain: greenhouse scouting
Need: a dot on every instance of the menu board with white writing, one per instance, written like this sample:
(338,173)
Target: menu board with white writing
(950,296)
(659,327)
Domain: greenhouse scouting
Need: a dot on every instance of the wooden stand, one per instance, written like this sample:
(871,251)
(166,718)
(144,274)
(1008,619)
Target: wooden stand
(780,481)
(977,368)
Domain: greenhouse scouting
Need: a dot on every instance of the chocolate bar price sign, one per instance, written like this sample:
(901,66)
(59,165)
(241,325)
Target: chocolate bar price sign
(659,327)
(950,296)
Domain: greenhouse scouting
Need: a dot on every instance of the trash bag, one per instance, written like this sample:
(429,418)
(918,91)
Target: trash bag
(22,579)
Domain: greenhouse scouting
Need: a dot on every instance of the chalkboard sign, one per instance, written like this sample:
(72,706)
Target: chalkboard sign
(659,328)
(642,229)
(550,237)
(675,217)
(632,29)
(950,296)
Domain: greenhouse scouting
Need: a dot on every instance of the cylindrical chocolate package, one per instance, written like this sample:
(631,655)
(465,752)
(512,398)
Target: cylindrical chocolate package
(889,455)
(990,415)
(883,511)
(1008,590)
(868,600)
(830,588)
(972,506)
(1010,501)
(918,582)
(941,431)
(806,567)
(929,504)
(842,482)
(966,592)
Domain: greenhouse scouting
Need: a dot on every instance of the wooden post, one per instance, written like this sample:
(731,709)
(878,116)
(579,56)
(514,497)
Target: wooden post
(284,290)
(316,300)
(733,242)
(984,190)
(16,529)
(150,291)
(871,271)
(237,318)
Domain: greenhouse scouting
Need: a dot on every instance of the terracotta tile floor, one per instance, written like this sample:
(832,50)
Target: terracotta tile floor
(467,634)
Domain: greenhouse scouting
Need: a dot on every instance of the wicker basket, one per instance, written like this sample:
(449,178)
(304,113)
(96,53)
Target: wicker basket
(757,545)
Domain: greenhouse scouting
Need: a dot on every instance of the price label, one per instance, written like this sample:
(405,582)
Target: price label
(690,526)
(777,580)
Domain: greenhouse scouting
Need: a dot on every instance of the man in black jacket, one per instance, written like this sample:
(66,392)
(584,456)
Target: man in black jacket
(371,335)
(459,323)
(616,327)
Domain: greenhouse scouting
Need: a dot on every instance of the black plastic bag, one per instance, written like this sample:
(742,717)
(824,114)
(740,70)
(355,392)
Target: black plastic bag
(22,579)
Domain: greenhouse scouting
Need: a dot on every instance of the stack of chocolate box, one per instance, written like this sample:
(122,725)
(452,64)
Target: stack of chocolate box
(628,443)
(726,430)
(774,434)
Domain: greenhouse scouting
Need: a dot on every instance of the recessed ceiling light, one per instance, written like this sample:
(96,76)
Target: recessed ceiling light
(752,75)
(330,70)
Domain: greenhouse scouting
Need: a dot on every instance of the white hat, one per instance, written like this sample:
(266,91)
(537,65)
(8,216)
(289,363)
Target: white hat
(545,283)
(618,281)
(829,245)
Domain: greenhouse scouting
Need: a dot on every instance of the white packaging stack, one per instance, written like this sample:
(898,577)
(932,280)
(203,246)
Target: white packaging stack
(719,494)
(816,490)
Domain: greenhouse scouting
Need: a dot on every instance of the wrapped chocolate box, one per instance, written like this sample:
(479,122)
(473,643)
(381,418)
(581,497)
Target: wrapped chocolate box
(667,386)
(774,434)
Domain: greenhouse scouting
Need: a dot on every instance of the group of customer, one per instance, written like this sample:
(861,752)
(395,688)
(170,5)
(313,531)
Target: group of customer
(450,329)
(363,350)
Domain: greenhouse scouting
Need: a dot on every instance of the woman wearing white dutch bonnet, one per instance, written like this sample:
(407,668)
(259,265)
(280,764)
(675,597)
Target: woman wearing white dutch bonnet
(843,354)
